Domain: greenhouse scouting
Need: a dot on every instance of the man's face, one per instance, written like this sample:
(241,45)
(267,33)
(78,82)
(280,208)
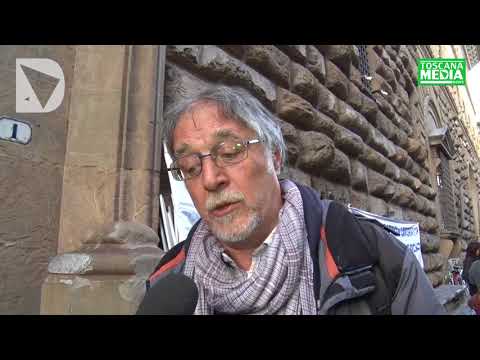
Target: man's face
(237,200)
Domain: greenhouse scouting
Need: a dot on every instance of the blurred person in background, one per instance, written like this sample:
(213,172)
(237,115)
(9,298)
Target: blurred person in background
(472,254)
(474,277)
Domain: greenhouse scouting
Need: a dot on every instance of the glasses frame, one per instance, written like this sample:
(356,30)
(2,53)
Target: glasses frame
(214,158)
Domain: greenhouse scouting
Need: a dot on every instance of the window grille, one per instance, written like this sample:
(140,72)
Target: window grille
(363,66)
(473,55)
(447,200)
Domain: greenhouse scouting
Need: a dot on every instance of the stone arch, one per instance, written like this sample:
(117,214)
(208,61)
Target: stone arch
(431,116)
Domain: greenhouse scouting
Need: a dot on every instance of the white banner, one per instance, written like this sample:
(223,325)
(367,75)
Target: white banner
(408,232)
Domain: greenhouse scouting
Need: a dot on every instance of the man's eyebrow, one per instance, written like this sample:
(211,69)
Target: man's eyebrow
(224,134)
(181,150)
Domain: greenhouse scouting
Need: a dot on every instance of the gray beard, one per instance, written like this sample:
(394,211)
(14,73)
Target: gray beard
(236,235)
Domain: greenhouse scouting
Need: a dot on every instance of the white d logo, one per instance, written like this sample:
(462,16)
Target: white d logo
(40,85)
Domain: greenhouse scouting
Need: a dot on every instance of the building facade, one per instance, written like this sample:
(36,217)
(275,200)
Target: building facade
(358,130)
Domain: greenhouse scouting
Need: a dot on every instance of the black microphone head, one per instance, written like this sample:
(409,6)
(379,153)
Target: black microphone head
(175,294)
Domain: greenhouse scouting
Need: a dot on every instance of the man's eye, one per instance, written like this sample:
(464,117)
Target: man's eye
(191,170)
(232,149)
(229,156)
(238,148)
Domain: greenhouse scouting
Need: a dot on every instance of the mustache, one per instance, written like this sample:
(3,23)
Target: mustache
(215,200)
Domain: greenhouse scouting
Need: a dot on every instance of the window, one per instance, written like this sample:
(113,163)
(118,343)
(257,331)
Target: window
(442,151)
(363,67)
(473,56)
(446,196)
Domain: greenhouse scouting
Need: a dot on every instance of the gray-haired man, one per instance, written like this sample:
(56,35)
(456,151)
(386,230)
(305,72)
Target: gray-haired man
(270,246)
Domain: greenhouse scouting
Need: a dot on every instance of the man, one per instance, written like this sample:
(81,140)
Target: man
(474,278)
(265,246)
(472,254)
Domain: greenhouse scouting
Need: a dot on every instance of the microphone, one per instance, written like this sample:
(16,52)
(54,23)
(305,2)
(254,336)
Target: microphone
(175,294)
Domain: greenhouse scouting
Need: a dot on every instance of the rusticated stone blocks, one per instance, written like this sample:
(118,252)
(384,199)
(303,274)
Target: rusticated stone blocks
(332,190)
(317,151)
(297,53)
(348,142)
(336,81)
(377,206)
(403,196)
(327,102)
(429,242)
(298,175)
(219,66)
(305,84)
(359,175)
(373,159)
(359,200)
(295,110)
(380,185)
(316,63)
(291,139)
(352,120)
(433,262)
(341,55)
(319,157)
(269,61)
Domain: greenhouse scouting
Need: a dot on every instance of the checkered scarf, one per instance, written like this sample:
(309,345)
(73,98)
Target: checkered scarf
(282,279)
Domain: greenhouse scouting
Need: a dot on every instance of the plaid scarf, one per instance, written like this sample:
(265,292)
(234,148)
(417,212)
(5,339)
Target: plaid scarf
(282,278)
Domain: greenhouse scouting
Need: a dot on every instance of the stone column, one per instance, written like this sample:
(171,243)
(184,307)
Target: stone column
(111,164)
(93,141)
(112,176)
(106,276)
(140,155)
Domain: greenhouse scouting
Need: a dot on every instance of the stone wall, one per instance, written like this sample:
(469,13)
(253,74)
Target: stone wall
(370,151)
(30,185)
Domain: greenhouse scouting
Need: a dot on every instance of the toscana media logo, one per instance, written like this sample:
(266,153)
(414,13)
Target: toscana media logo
(444,72)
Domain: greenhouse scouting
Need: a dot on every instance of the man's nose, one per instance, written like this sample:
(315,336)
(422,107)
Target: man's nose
(213,177)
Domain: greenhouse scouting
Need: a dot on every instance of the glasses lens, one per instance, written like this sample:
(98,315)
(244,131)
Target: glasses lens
(230,152)
(189,166)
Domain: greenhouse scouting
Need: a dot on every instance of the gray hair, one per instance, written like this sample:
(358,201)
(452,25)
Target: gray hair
(236,104)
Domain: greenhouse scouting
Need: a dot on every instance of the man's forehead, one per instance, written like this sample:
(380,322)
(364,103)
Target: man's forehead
(201,111)
(205,123)
(183,145)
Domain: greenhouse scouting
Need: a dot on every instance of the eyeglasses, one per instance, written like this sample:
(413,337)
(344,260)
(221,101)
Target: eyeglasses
(224,154)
